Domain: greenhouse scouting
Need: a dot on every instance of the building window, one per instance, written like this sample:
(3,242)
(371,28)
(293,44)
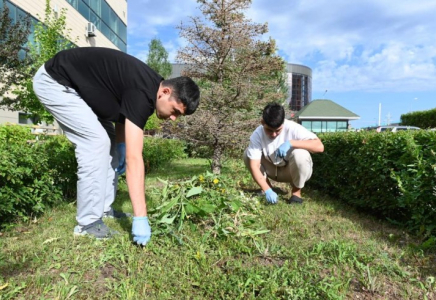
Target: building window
(104,18)
(25,119)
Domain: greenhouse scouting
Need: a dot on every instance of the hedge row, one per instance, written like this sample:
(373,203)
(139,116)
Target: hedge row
(423,119)
(37,174)
(390,174)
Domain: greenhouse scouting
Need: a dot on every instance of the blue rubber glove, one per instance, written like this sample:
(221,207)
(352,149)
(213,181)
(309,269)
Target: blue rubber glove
(271,196)
(283,149)
(141,230)
(121,150)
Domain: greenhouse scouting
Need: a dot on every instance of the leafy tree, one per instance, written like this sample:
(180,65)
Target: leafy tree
(13,37)
(157,60)
(238,73)
(51,36)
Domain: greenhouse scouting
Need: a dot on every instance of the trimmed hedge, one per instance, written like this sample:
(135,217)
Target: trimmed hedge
(390,174)
(35,174)
(423,119)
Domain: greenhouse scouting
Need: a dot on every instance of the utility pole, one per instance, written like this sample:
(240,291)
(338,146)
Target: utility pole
(379,114)
(388,118)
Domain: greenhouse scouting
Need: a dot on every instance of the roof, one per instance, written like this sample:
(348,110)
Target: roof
(325,109)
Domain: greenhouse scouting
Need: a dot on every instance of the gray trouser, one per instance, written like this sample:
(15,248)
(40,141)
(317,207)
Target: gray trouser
(94,142)
(297,171)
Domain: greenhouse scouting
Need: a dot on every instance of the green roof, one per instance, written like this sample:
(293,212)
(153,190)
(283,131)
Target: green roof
(325,109)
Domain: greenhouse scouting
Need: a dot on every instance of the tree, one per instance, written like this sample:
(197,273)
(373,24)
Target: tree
(13,37)
(157,59)
(51,36)
(238,74)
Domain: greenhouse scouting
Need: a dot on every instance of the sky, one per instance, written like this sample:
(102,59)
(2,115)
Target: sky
(376,58)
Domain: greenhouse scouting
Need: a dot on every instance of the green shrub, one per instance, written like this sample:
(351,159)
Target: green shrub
(158,151)
(423,119)
(26,180)
(390,174)
(62,162)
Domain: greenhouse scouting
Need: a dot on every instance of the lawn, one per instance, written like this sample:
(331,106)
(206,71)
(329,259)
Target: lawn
(319,250)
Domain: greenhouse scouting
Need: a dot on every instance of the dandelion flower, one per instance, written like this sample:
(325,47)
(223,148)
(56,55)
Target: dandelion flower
(215,181)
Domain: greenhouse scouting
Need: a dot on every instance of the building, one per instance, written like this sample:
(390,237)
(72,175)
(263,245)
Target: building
(299,81)
(324,115)
(94,23)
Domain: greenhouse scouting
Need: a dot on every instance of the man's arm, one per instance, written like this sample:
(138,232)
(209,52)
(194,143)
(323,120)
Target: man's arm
(257,174)
(313,146)
(135,168)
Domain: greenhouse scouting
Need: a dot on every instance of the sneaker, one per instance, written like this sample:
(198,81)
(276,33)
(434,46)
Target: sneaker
(113,214)
(296,200)
(98,229)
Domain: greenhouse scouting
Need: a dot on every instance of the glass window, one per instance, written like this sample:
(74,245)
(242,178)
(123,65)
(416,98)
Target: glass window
(73,3)
(113,21)
(96,6)
(105,12)
(24,118)
(331,126)
(95,20)
(307,124)
(83,9)
(316,126)
(12,10)
(105,29)
(122,30)
(21,14)
(324,126)
(342,126)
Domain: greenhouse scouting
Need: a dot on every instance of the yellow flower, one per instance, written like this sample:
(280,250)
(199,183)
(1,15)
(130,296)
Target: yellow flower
(215,181)
(201,178)
(223,191)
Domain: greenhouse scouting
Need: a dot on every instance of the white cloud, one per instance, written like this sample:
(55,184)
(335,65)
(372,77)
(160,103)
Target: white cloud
(361,45)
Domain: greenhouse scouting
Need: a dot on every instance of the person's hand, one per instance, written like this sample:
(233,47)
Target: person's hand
(141,230)
(283,149)
(121,150)
(271,196)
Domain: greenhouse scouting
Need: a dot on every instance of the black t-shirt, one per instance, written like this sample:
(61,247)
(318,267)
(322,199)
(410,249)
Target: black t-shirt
(114,84)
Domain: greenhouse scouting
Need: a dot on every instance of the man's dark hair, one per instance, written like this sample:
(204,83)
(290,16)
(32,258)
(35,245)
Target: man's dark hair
(186,91)
(273,115)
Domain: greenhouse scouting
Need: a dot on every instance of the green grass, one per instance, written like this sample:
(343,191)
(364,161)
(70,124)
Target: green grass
(319,250)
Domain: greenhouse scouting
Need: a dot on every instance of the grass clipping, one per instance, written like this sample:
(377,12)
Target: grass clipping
(211,203)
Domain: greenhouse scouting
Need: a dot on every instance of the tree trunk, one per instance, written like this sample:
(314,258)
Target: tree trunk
(216,159)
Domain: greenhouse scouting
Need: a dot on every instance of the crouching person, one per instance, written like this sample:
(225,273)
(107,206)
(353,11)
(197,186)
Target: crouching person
(280,150)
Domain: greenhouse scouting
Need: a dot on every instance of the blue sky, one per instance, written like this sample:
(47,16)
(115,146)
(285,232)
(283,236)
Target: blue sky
(362,52)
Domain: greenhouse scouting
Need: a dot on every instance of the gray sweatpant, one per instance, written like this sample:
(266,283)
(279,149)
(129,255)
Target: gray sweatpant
(94,142)
(297,171)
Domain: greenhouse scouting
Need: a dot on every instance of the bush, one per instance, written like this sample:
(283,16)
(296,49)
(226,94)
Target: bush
(423,119)
(35,174)
(26,179)
(158,151)
(62,162)
(390,174)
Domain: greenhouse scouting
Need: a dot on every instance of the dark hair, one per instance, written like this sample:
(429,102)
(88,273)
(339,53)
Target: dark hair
(186,91)
(273,115)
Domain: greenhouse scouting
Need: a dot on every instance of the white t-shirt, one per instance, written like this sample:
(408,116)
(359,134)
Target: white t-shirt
(260,143)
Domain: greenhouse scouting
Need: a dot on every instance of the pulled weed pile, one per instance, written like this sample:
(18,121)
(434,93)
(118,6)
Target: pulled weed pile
(209,202)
